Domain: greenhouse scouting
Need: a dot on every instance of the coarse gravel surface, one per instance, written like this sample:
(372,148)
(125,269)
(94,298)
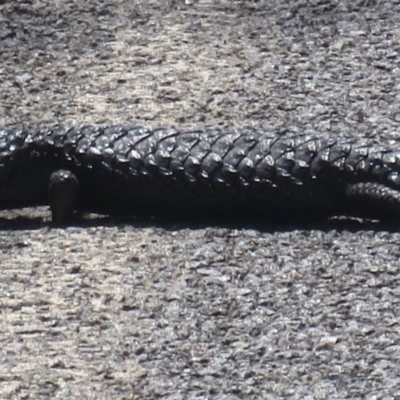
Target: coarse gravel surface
(113,308)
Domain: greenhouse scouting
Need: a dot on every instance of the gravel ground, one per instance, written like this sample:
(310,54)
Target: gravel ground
(114,309)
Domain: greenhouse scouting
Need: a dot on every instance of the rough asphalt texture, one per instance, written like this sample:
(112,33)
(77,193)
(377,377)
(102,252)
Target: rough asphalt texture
(147,309)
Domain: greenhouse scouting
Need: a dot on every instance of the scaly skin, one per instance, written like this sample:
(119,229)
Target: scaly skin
(122,170)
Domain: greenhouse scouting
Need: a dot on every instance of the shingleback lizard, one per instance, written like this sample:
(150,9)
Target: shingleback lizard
(212,174)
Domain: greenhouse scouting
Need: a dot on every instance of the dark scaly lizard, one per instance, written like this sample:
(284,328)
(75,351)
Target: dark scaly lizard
(212,174)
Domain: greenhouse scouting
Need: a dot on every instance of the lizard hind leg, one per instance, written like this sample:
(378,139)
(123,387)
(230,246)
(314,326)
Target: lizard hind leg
(63,193)
(374,200)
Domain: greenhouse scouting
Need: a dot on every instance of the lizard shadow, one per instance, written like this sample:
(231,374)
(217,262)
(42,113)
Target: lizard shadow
(26,222)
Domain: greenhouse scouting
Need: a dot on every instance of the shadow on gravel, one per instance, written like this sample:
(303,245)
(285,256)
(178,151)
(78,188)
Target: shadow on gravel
(21,223)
